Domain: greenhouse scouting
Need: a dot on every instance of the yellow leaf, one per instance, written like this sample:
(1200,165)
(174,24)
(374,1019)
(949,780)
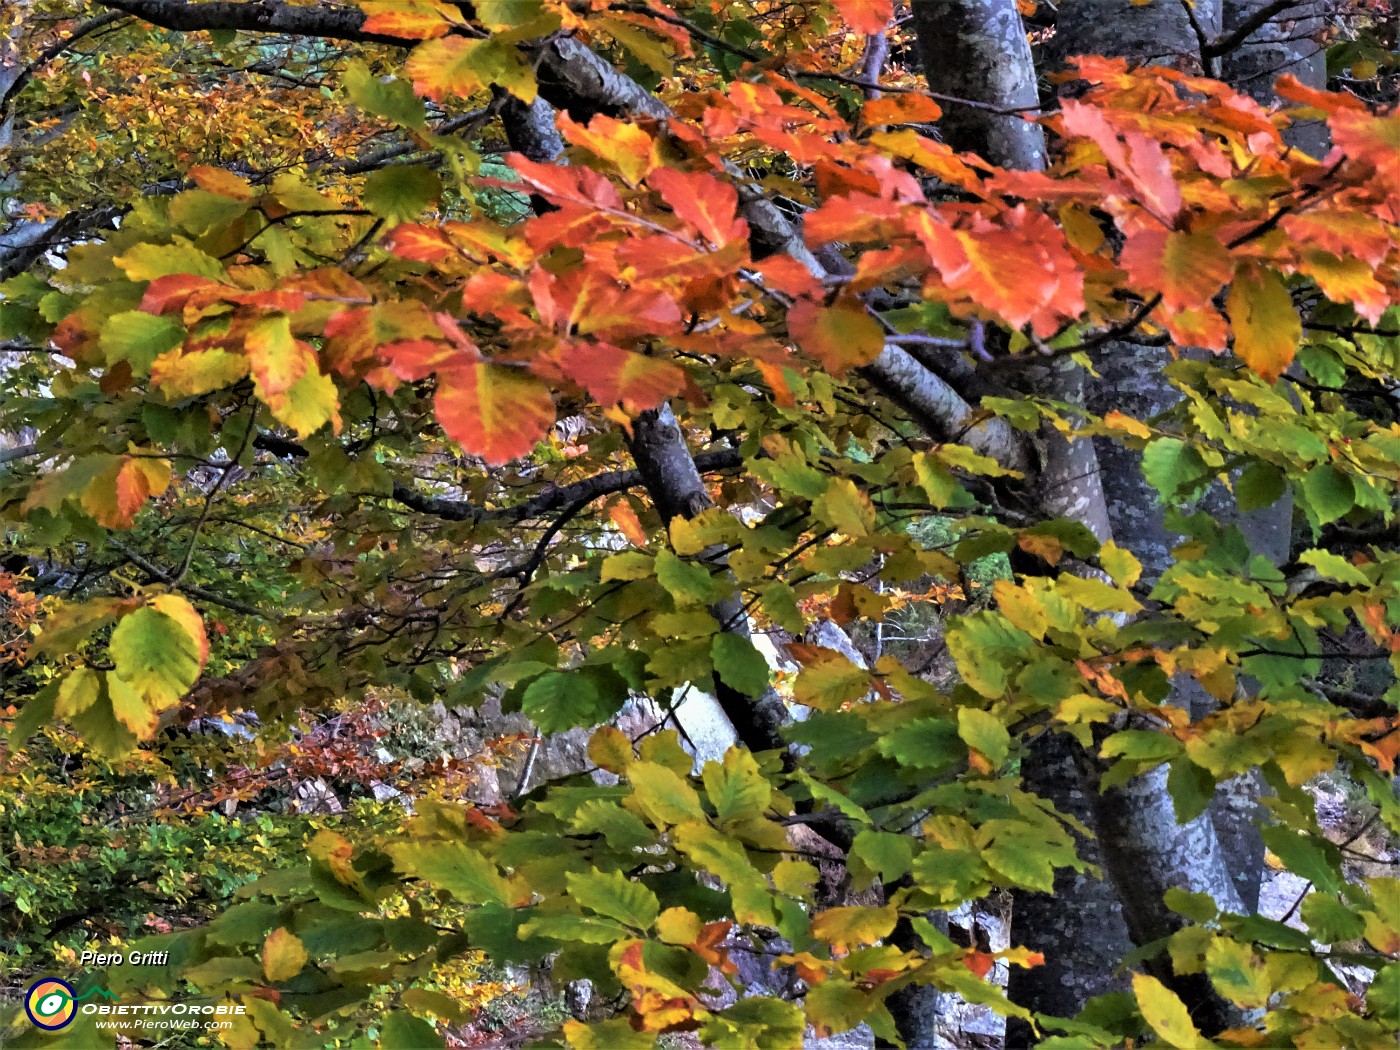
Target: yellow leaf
(283,955)
(845,927)
(1265,323)
(1167,1014)
(610,749)
(456,65)
(678,926)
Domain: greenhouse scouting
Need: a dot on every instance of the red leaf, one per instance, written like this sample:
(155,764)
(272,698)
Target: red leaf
(429,244)
(611,374)
(702,200)
(980,963)
(493,411)
(167,294)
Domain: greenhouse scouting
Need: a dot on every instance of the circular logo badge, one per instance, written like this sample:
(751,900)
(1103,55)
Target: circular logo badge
(49,1004)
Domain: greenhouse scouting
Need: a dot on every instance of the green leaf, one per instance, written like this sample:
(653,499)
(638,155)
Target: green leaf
(882,853)
(139,338)
(400,1030)
(1334,567)
(1317,862)
(1238,974)
(925,743)
(830,680)
(199,211)
(615,896)
(756,1021)
(1328,493)
(571,928)
(156,656)
(1259,485)
(560,700)
(1191,788)
(1173,468)
(690,583)
(739,664)
(735,787)
(1021,860)
(402,191)
(146,262)
(1198,907)
(392,99)
(450,866)
(662,796)
(987,649)
(1329,920)
(846,508)
(983,732)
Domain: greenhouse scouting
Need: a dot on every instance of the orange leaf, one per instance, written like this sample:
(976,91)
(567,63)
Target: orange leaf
(493,411)
(167,294)
(841,336)
(429,244)
(625,518)
(409,19)
(115,496)
(625,146)
(1187,268)
(702,200)
(223,182)
(865,16)
(1348,280)
(1136,158)
(611,375)
(900,109)
(980,963)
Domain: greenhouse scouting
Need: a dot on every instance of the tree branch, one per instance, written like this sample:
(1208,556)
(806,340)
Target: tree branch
(1227,42)
(265,16)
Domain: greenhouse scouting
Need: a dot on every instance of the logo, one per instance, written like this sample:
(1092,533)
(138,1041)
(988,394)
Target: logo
(50,1004)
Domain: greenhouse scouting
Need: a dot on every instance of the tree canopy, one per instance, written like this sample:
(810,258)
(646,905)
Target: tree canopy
(992,406)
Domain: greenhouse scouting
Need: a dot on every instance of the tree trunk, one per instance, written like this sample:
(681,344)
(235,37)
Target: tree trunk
(1145,851)
(979,51)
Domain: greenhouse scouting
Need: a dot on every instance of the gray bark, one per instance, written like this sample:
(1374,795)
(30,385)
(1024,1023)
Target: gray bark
(1159,33)
(676,489)
(1145,851)
(978,50)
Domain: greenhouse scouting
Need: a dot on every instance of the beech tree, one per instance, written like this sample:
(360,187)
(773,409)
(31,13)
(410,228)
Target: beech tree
(589,343)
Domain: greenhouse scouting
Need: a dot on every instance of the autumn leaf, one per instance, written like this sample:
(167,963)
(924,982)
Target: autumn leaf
(842,336)
(409,19)
(624,145)
(493,411)
(1186,269)
(283,955)
(457,65)
(865,16)
(1167,1014)
(613,375)
(114,496)
(705,202)
(1264,321)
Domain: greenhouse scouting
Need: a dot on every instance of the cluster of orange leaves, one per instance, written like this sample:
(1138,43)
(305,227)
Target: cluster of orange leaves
(1196,178)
